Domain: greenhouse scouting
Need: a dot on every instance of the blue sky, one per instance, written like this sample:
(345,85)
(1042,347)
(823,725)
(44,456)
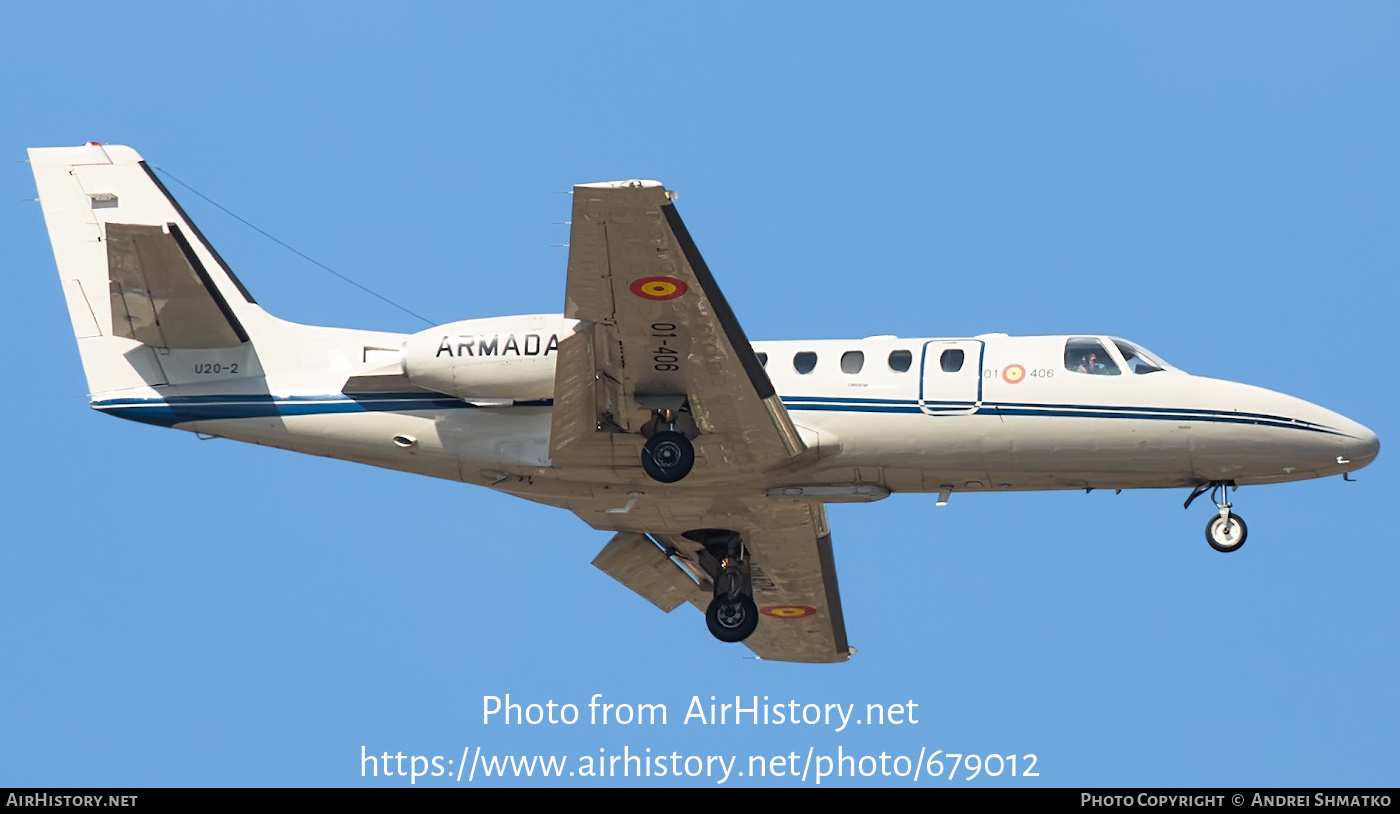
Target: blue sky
(1217,182)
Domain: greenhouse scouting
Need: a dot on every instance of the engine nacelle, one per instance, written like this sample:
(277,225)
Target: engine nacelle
(489,359)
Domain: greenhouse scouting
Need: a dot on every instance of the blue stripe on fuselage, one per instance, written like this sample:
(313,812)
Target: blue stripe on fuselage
(172,410)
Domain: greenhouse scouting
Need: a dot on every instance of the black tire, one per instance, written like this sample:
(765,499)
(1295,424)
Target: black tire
(668,456)
(732,619)
(1224,539)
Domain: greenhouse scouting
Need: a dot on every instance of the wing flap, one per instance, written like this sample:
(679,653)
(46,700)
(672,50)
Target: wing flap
(638,563)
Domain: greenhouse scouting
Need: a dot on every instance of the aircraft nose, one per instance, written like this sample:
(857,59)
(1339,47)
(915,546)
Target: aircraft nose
(1331,443)
(1361,447)
(1355,444)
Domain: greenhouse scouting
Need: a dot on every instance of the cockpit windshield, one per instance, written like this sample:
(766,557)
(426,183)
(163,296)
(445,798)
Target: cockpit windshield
(1089,354)
(1139,359)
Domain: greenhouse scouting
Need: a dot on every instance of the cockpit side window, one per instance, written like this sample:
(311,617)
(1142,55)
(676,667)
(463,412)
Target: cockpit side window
(1139,360)
(1085,354)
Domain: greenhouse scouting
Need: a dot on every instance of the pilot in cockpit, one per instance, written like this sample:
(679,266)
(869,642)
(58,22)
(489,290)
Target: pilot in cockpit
(1084,354)
(1089,363)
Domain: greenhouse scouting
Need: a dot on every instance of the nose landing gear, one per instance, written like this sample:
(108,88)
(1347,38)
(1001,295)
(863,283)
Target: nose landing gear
(1226,531)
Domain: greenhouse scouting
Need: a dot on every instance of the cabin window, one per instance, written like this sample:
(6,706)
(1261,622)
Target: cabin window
(900,360)
(852,361)
(1084,354)
(1139,360)
(804,362)
(952,360)
(763,359)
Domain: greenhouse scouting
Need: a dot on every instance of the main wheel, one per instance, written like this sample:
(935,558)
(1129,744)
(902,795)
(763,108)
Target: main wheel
(732,619)
(668,456)
(1225,535)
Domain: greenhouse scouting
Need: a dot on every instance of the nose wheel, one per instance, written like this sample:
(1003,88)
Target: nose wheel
(1226,531)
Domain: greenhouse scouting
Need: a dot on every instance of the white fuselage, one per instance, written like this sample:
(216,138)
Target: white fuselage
(644,408)
(988,413)
(169,336)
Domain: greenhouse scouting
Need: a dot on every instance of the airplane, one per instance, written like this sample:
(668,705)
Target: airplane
(643,407)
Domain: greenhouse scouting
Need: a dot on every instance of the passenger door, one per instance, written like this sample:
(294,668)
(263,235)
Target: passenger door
(950,376)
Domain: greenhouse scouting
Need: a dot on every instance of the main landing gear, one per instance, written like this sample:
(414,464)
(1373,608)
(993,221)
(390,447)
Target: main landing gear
(732,619)
(1226,531)
(668,454)
(732,615)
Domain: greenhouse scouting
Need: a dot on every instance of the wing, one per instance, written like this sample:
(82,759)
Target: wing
(657,335)
(791,564)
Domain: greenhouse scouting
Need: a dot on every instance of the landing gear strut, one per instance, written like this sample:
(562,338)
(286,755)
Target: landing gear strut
(1226,531)
(732,615)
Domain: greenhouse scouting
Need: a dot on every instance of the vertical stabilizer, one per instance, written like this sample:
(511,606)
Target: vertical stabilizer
(150,300)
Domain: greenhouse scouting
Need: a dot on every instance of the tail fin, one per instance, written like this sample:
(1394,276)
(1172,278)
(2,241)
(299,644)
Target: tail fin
(151,302)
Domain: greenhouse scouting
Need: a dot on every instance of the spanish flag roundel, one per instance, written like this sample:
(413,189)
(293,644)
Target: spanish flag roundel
(1013,374)
(788,611)
(658,288)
